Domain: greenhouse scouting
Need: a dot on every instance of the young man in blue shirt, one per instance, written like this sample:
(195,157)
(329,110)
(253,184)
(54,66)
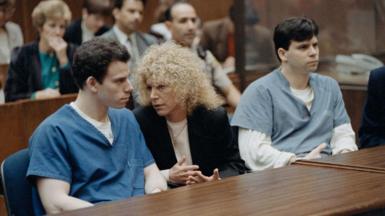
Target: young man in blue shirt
(91,150)
(293,113)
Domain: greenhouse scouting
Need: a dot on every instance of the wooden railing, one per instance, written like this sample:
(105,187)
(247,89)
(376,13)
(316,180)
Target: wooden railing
(19,119)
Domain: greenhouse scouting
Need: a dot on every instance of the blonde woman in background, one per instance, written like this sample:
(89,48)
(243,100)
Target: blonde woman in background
(42,69)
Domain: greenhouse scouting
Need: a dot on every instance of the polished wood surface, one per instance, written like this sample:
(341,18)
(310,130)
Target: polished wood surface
(293,190)
(371,157)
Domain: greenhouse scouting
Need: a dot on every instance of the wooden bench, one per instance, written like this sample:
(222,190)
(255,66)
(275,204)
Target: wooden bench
(19,119)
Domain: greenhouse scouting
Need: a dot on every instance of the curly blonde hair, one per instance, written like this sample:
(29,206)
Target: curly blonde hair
(50,9)
(181,69)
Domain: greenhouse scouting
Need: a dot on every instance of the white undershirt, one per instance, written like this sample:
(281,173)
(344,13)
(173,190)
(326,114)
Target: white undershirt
(5,55)
(256,150)
(5,51)
(180,142)
(2,96)
(306,95)
(86,33)
(103,127)
(179,137)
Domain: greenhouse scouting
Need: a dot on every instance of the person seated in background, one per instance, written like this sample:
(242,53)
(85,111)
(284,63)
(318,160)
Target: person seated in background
(372,130)
(92,150)
(218,36)
(292,113)
(128,15)
(42,69)
(182,21)
(92,23)
(11,36)
(159,28)
(183,123)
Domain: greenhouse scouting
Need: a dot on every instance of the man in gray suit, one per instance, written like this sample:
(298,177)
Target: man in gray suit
(128,15)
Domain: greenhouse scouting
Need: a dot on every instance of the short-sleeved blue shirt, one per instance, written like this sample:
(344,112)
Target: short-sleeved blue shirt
(67,147)
(268,106)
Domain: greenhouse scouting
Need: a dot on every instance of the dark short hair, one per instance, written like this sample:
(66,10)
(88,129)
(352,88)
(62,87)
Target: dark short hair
(93,57)
(167,13)
(119,3)
(293,29)
(101,7)
(7,3)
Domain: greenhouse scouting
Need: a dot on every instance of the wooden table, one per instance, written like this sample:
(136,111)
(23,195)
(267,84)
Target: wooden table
(370,157)
(293,190)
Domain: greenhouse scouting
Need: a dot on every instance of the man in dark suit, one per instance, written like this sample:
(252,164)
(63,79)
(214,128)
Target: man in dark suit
(372,131)
(92,23)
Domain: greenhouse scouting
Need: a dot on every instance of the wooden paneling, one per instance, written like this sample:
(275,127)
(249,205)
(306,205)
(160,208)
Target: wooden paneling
(19,119)
(3,209)
(24,10)
(350,25)
(12,130)
(213,9)
(346,26)
(354,102)
(207,10)
(3,75)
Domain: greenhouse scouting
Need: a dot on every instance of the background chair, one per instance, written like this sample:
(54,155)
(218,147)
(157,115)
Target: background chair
(18,192)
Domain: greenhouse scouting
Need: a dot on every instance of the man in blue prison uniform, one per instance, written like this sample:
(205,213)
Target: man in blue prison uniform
(91,150)
(292,113)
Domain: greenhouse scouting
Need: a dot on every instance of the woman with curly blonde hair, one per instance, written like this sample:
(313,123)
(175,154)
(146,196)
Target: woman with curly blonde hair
(184,125)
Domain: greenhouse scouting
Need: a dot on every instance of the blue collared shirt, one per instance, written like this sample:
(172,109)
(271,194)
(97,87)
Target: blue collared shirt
(268,106)
(68,148)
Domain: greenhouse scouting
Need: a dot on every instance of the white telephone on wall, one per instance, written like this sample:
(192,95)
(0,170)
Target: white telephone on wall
(357,63)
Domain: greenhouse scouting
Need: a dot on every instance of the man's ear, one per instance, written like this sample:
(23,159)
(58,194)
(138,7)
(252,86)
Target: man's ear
(168,24)
(92,84)
(282,53)
(84,13)
(115,13)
